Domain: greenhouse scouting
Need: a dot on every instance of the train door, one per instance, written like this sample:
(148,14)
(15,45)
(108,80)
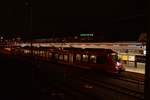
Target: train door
(70,58)
(102,62)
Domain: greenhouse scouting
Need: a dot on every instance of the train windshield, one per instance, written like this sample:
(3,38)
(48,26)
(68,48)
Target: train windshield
(114,56)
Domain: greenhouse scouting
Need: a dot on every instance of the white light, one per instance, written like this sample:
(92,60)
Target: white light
(1,37)
(118,64)
(144,52)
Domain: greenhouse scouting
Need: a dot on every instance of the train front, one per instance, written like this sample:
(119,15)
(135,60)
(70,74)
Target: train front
(119,67)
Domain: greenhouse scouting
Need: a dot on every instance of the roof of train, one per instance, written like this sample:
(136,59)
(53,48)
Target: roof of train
(91,50)
(96,50)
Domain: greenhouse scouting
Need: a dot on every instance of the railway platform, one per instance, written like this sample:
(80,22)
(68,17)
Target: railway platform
(139,69)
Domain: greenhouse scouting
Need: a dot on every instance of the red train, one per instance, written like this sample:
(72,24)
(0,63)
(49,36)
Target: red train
(93,59)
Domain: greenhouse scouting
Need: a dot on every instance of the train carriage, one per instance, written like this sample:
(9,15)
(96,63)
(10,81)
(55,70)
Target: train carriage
(97,59)
(93,59)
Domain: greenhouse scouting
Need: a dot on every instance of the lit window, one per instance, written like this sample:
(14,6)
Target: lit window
(56,56)
(26,51)
(35,52)
(47,54)
(78,57)
(60,57)
(85,58)
(40,53)
(50,54)
(65,57)
(93,58)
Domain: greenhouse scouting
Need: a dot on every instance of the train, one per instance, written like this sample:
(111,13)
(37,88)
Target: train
(105,60)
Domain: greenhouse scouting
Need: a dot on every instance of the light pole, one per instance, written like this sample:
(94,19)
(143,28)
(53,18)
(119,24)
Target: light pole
(29,9)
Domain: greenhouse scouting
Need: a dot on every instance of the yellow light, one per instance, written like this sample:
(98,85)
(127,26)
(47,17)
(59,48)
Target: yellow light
(124,57)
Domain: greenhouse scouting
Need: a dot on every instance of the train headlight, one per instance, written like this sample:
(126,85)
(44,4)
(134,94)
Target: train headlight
(116,68)
(118,64)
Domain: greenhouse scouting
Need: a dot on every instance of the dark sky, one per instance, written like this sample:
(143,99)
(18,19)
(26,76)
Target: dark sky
(117,17)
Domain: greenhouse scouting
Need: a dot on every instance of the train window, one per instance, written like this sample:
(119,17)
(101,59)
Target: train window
(41,53)
(85,58)
(65,57)
(93,58)
(56,56)
(35,52)
(38,53)
(60,57)
(101,60)
(78,57)
(46,54)
(50,54)
(26,51)
(71,58)
(115,57)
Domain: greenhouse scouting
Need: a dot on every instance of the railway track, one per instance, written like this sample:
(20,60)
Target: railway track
(127,86)
(80,89)
(73,92)
(115,88)
(132,80)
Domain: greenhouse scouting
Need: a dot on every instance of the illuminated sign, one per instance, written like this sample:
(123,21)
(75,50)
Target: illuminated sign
(124,57)
(86,34)
(131,58)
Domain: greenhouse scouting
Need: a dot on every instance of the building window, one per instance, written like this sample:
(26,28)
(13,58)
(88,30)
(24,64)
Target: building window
(78,57)
(93,58)
(85,58)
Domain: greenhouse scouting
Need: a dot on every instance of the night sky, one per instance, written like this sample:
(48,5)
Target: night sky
(115,18)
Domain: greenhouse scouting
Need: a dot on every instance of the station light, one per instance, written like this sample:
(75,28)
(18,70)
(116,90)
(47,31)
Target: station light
(144,52)
(2,38)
